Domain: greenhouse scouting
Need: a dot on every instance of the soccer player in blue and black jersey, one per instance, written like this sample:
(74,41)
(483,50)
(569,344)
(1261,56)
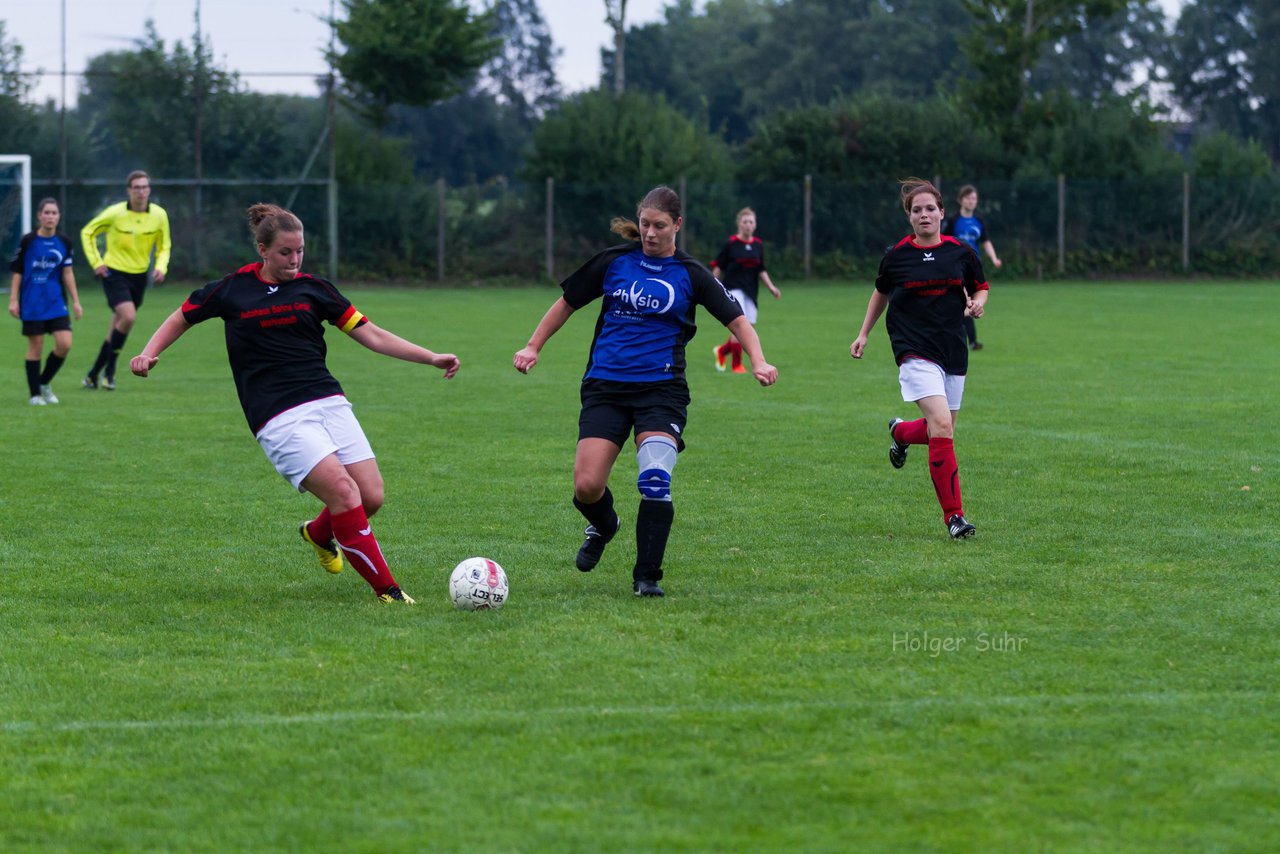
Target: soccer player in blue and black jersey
(43,283)
(635,377)
(929,283)
(969,228)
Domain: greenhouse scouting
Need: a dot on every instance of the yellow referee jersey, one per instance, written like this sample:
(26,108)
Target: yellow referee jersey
(131,238)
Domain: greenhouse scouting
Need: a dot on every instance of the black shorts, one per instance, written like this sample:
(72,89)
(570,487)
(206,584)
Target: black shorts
(45,327)
(124,287)
(614,410)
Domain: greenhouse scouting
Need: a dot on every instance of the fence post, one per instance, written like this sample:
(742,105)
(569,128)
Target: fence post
(333,228)
(1186,222)
(551,228)
(1062,223)
(808,226)
(439,229)
(684,203)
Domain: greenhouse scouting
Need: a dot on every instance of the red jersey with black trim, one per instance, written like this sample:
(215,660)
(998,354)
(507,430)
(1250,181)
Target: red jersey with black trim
(275,337)
(928,289)
(740,263)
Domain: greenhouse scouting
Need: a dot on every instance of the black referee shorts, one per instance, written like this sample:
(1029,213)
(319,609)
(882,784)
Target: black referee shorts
(124,287)
(614,410)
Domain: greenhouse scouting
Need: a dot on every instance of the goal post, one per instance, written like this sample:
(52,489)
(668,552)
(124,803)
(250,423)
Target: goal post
(15,201)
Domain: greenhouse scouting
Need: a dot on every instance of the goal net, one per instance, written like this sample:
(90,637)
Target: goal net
(15,201)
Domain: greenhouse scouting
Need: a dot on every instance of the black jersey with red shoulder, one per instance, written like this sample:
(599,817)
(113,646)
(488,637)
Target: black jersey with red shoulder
(740,263)
(275,337)
(928,288)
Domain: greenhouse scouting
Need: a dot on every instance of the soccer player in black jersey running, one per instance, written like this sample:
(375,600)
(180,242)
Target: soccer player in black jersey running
(929,283)
(635,377)
(272,314)
(740,265)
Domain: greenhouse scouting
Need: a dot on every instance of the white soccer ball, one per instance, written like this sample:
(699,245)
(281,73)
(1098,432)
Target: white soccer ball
(478,584)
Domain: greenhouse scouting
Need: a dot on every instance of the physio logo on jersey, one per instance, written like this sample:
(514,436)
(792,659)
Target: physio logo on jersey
(644,296)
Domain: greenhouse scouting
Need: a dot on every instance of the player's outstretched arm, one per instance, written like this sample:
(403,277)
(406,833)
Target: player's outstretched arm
(875,307)
(169,331)
(387,343)
(765,373)
(527,356)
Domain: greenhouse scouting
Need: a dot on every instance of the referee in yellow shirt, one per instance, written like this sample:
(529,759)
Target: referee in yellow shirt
(136,230)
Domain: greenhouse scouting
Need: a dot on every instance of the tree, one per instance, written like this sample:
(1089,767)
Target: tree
(16,117)
(1227,72)
(616,18)
(412,52)
(1004,46)
(521,73)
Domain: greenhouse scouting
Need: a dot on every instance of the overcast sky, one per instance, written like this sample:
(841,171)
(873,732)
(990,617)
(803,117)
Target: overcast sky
(276,45)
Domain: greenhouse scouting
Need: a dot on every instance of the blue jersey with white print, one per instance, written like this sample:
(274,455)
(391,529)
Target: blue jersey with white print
(647,315)
(39,261)
(968,229)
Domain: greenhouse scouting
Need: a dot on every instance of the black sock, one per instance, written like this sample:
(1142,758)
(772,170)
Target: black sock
(653,525)
(599,514)
(51,367)
(117,344)
(104,353)
(33,376)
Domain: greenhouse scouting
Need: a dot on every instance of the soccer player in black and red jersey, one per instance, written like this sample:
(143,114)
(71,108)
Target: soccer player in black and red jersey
(740,266)
(929,283)
(273,314)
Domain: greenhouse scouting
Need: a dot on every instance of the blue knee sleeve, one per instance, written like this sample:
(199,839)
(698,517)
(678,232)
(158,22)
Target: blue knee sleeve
(656,457)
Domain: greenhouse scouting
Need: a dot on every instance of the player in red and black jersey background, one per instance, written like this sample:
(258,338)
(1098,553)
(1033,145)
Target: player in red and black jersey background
(740,267)
(273,317)
(929,283)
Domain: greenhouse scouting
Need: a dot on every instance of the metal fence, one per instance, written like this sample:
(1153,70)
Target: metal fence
(433,232)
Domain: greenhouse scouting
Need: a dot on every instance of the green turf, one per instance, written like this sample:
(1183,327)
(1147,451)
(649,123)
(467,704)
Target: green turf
(1095,670)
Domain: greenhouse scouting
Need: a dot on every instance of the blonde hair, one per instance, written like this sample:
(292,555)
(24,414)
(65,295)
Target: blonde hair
(662,199)
(742,213)
(912,187)
(266,221)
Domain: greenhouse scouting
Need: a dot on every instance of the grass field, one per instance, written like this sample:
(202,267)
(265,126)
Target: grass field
(1095,671)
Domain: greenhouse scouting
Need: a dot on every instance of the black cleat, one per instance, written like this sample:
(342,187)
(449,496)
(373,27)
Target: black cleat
(89,383)
(593,546)
(897,450)
(647,588)
(959,527)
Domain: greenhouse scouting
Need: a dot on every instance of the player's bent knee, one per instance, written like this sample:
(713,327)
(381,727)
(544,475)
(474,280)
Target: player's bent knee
(656,458)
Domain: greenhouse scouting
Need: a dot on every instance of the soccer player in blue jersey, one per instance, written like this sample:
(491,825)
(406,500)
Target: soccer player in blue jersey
(740,265)
(42,284)
(929,283)
(635,376)
(273,318)
(970,228)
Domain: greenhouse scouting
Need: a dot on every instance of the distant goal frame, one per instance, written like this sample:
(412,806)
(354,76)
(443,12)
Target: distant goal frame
(24,160)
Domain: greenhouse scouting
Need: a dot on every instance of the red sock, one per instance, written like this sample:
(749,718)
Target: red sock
(724,349)
(946,476)
(321,527)
(736,349)
(912,432)
(355,538)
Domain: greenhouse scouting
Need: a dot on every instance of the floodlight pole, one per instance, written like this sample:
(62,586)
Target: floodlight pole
(62,117)
(333,154)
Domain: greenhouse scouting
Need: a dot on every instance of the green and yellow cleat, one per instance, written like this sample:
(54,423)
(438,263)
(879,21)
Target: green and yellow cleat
(330,557)
(395,594)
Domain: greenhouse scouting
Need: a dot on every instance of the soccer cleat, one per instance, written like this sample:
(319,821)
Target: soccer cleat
(395,594)
(897,450)
(976,345)
(593,546)
(330,557)
(108,383)
(645,587)
(47,394)
(739,369)
(89,383)
(37,400)
(715,351)
(959,528)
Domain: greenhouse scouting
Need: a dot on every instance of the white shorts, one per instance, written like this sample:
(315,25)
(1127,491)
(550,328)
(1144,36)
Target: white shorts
(748,307)
(297,439)
(920,379)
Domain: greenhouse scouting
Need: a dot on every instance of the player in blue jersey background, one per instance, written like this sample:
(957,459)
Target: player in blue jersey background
(43,282)
(635,376)
(969,228)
